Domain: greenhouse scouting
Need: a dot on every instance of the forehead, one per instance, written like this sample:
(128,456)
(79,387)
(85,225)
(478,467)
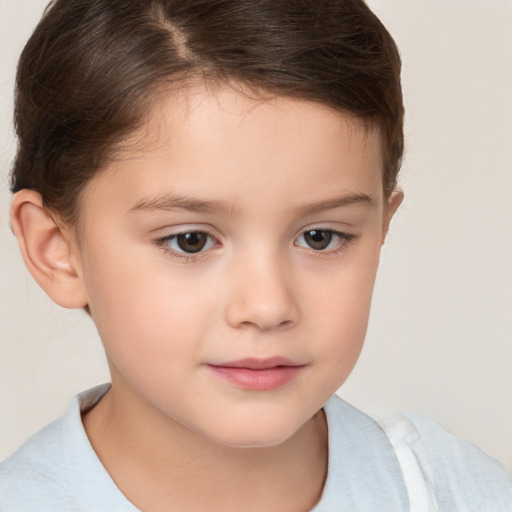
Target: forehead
(218,111)
(243,147)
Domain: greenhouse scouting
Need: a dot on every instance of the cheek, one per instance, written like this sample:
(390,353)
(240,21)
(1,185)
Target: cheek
(344,308)
(141,311)
(148,335)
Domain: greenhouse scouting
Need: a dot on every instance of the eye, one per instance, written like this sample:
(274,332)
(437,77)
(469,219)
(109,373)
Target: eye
(188,243)
(322,239)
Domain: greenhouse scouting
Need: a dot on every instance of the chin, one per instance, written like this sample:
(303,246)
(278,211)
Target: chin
(255,434)
(254,441)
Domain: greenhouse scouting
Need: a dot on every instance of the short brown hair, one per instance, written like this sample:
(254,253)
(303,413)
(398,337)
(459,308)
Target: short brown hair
(88,73)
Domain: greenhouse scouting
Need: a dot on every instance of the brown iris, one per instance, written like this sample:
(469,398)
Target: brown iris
(318,239)
(192,242)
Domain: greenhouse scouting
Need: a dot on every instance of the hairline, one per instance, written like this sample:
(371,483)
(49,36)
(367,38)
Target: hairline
(204,78)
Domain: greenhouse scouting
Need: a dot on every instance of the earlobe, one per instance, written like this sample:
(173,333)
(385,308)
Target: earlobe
(46,250)
(393,203)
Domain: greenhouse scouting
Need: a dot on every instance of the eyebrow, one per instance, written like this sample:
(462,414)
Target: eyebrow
(338,202)
(172,202)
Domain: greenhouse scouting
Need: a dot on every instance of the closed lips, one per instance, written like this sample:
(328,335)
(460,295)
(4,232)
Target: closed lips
(258,374)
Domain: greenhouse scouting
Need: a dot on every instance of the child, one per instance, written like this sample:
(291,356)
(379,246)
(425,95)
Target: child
(213,181)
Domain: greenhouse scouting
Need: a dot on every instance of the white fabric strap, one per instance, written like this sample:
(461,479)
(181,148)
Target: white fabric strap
(412,456)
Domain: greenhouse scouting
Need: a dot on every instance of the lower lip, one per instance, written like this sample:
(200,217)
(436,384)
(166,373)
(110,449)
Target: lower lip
(265,379)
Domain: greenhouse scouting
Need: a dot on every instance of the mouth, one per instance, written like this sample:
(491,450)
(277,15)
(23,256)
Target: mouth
(256,374)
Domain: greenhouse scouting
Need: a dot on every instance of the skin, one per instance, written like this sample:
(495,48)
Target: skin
(255,174)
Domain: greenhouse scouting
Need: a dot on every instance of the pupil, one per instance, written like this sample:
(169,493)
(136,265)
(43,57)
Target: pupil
(192,242)
(318,239)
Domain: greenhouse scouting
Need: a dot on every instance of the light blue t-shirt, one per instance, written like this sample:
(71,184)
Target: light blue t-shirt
(404,464)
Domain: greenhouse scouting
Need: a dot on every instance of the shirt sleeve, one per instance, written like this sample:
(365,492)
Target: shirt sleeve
(444,473)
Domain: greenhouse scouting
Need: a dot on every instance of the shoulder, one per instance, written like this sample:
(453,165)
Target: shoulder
(452,473)
(57,469)
(35,473)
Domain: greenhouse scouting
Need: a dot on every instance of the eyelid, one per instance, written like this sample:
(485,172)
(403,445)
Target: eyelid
(344,239)
(163,243)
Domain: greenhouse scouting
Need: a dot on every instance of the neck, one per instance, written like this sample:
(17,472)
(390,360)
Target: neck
(156,461)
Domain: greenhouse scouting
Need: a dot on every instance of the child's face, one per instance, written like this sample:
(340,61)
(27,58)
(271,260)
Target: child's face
(262,188)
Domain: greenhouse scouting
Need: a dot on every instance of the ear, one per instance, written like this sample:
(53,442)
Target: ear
(47,251)
(394,201)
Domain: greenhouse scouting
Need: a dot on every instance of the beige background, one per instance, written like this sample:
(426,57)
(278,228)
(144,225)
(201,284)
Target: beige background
(439,341)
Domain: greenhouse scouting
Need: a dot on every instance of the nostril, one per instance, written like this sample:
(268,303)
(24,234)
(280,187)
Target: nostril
(286,324)
(263,325)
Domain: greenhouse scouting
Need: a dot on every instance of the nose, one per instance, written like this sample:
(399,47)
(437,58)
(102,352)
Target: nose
(262,296)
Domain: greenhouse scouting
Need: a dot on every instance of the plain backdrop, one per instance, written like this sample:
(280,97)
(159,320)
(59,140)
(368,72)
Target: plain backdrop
(439,341)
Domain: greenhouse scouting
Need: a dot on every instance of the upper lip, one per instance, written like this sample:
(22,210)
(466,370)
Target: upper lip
(255,363)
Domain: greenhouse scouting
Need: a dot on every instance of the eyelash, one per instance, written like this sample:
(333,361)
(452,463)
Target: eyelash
(345,239)
(164,244)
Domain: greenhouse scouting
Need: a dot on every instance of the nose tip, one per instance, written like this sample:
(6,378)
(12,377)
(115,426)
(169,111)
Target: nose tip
(264,302)
(263,319)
